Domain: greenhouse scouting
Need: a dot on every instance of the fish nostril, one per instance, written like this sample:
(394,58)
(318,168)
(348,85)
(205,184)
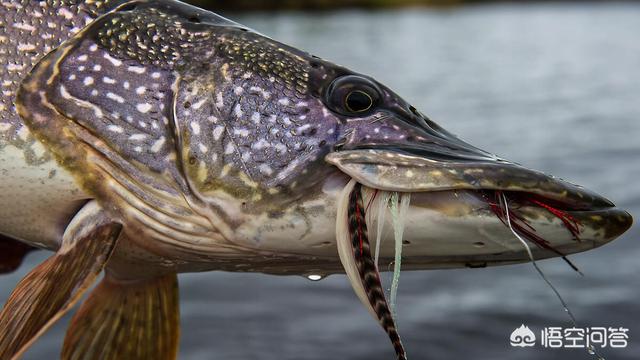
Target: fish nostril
(479,244)
(195,19)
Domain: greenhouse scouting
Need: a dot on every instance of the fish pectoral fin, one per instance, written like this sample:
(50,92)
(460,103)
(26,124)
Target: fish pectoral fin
(12,252)
(127,320)
(53,287)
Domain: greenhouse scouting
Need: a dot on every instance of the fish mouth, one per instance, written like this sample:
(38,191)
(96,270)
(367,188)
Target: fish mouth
(403,172)
(559,217)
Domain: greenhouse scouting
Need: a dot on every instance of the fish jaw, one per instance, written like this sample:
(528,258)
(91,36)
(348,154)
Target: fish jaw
(455,217)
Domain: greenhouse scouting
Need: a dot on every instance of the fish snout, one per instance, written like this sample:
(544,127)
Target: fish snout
(555,216)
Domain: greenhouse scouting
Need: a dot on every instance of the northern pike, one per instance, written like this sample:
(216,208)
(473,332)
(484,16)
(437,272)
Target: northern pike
(144,139)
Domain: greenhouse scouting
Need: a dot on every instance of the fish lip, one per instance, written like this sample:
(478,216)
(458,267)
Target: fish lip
(394,170)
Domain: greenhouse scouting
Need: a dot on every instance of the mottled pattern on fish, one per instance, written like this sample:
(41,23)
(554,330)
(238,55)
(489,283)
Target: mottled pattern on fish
(180,120)
(29,30)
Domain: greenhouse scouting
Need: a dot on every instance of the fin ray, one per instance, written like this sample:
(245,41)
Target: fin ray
(52,288)
(127,320)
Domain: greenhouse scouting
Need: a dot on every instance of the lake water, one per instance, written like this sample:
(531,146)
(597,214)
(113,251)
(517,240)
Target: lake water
(554,87)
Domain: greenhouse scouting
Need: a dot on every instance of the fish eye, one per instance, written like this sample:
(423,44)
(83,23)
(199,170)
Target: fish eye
(358,101)
(352,95)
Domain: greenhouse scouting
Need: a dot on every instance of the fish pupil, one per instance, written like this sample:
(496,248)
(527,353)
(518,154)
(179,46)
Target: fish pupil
(358,101)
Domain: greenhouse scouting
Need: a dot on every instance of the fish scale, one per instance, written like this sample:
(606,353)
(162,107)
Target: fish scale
(29,30)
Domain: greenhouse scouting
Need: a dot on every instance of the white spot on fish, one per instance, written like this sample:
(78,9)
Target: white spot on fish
(143,108)
(83,58)
(113,61)
(26,47)
(24,26)
(260,144)
(88,81)
(157,146)
(281,148)
(238,111)
(115,97)
(108,80)
(217,132)
(255,118)
(115,128)
(241,132)
(66,13)
(203,149)
(137,69)
(199,104)
(284,102)
(141,90)
(303,128)
(97,67)
(265,169)
(16,67)
(229,149)
(195,128)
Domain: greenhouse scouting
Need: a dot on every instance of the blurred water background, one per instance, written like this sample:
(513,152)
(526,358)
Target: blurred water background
(555,87)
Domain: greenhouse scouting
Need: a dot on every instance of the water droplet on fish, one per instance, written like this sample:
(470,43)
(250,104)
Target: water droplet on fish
(315,277)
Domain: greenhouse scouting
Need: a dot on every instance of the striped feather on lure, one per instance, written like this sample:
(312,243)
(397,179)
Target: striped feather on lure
(355,254)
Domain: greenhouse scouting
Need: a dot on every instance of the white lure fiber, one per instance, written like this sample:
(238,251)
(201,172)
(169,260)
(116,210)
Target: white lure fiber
(398,216)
